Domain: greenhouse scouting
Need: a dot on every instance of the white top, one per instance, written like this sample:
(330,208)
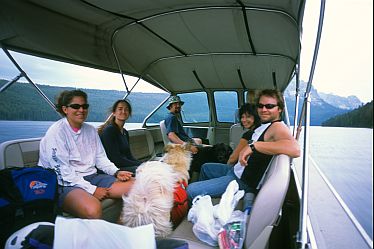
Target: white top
(238,168)
(74,155)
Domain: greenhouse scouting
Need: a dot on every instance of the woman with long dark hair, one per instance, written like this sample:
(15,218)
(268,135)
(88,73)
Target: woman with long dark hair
(115,137)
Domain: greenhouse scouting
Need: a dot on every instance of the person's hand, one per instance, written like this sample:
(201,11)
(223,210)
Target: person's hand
(194,149)
(244,154)
(123,175)
(101,193)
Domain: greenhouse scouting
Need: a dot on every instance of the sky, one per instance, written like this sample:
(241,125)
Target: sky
(344,66)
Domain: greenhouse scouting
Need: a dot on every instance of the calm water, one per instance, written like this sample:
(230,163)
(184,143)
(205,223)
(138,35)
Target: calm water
(343,154)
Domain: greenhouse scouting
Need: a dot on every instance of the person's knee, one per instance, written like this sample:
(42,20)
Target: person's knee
(207,167)
(193,190)
(92,212)
(190,192)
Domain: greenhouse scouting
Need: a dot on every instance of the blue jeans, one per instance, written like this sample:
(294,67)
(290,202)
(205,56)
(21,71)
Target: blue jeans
(214,179)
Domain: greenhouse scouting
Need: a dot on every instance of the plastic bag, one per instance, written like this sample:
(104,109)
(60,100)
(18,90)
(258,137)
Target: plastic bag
(232,234)
(201,215)
(228,202)
(209,220)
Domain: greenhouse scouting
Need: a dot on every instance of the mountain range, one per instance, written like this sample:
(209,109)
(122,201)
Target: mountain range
(323,106)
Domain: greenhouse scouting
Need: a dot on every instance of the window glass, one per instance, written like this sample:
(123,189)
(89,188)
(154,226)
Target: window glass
(159,115)
(194,110)
(226,104)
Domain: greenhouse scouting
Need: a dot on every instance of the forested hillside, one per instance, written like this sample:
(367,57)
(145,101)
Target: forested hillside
(360,117)
(22,102)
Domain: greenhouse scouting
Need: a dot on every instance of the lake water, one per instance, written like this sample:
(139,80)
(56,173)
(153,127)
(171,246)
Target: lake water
(343,154)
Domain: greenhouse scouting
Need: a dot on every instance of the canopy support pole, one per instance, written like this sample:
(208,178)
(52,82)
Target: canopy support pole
(9,83)
(302,236)
(297,99)
(23,74)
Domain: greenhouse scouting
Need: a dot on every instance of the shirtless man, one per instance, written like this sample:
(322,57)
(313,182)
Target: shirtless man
(273,137)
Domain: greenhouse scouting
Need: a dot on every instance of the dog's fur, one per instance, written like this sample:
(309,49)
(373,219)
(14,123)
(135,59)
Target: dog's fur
(218,153)
(179,157)
(151,198)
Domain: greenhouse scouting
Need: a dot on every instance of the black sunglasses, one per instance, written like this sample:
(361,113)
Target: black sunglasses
(267,106)
(78,106)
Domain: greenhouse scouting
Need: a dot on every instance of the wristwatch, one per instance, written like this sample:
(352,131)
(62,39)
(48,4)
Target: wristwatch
(252,145)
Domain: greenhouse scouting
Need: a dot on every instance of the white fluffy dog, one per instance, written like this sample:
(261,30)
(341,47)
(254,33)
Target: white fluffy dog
(151,198)
(179,157)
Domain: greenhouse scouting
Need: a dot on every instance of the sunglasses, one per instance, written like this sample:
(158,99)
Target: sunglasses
(78,106)
(267,106)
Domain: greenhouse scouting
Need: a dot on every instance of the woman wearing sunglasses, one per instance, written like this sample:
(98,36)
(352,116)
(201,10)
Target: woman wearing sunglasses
(115,137)
(74,150)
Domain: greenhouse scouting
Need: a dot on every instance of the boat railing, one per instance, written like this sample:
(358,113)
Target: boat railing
(302,234)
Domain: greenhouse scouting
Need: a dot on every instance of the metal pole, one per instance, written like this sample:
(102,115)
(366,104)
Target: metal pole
(297,100)
(302,236)
(28,79)
(9,83)
(286,115)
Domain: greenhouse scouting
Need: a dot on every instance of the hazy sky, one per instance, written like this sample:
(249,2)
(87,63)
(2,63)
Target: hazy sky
(345,61)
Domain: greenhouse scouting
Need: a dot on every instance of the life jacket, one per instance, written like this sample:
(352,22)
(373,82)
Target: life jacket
(180,208)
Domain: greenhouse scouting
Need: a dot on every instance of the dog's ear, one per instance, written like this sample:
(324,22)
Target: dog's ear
(187,146)
(167,148)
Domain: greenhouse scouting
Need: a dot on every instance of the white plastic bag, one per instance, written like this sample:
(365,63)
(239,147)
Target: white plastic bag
(228,202)
(209,220)
(201,215)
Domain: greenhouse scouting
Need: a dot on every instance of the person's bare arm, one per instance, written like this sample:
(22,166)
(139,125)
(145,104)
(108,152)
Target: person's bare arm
(174,138)
(235,154)
(278,140)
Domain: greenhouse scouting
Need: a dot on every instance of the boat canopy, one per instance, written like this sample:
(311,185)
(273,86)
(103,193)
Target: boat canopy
(176,45)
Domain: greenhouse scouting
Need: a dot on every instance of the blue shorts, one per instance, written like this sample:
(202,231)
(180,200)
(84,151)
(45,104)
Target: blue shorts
(99,180)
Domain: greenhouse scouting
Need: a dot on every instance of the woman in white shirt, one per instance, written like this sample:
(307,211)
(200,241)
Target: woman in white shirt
(74,150)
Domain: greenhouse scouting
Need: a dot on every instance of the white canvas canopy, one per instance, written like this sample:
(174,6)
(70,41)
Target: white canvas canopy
(178,45)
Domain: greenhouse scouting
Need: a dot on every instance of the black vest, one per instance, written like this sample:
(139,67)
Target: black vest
(257,165)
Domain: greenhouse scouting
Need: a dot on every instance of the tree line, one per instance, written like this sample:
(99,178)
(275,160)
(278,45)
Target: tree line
(21,101)
(361,117)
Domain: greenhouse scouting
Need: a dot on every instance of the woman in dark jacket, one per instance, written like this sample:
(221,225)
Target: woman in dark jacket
(115,137)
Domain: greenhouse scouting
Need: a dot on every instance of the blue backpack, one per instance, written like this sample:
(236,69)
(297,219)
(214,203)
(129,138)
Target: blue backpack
(27,195)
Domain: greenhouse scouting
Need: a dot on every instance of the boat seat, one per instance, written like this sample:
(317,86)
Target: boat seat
(236,132)
(164,134)
(19,153)
(266,209)
(25,153)
(142,145)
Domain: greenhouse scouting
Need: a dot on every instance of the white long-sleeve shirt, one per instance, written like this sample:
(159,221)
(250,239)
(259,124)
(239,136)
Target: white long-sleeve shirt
(74,155)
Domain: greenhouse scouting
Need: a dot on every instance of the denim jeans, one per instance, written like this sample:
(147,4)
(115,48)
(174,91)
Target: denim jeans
(214,179)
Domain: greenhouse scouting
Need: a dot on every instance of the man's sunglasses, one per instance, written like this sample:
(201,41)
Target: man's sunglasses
(267,106)
(78,106)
